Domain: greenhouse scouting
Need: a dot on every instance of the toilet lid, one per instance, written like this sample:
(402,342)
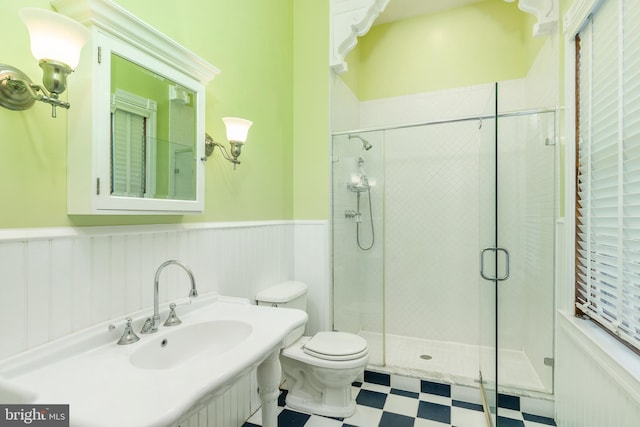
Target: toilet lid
(336,346)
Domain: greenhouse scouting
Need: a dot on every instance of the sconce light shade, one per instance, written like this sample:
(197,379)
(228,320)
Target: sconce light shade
(53,36)
(56,42)
(237,129)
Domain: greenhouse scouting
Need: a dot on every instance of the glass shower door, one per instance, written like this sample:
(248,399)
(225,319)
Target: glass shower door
(422,218)
(489,256)
(357,239)
(516,187)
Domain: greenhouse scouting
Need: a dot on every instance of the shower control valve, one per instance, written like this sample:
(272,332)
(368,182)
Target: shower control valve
(350,213)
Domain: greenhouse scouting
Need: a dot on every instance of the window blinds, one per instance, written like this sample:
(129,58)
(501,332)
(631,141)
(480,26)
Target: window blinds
(128,154)
(608,170)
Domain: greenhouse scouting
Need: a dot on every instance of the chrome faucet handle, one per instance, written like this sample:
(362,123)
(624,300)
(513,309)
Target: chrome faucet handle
(149,326)
(172,320)
(128,336)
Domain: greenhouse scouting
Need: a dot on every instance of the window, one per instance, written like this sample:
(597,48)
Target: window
(133,130)
(128,154)
(608,169)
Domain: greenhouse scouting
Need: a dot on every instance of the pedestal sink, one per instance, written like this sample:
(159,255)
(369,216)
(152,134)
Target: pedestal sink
(163,378)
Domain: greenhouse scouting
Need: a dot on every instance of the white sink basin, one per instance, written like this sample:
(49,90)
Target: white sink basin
(148,383)
(186,341)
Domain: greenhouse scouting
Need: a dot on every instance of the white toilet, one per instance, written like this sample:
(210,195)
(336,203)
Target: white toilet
(319,370)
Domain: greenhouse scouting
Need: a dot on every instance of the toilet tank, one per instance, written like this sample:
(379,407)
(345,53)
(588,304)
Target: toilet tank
(286,295)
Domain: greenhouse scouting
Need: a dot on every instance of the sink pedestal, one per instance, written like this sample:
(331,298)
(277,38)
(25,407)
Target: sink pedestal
(269,375)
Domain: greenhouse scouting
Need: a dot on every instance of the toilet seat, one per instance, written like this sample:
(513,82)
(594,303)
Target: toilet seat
(336,346)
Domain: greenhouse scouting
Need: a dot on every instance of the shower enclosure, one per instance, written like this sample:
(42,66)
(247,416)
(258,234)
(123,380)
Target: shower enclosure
(443,248)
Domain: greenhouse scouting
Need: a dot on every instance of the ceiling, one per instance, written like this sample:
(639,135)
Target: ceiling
(402,9)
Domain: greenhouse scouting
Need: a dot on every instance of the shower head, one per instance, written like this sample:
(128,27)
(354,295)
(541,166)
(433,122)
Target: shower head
(365,143)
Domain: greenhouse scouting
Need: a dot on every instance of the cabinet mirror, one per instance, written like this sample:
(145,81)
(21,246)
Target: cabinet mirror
(136,131)
(153,134)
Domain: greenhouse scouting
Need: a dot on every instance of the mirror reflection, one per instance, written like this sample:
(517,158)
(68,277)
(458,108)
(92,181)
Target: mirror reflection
(153,134)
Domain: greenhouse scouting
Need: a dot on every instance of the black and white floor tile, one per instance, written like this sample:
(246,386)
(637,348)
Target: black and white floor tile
(390,401)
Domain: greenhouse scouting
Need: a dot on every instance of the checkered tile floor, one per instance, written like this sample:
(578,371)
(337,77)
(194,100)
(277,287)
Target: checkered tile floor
(381,404)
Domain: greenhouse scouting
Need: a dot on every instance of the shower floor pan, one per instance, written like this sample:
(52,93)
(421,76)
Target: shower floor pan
(452,362)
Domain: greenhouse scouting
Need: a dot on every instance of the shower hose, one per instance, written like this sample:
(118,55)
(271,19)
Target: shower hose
(373,237)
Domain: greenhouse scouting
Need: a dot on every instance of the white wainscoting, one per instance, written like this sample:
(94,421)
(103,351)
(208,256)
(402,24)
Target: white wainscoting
(231,409)
(597,378)
(57,281)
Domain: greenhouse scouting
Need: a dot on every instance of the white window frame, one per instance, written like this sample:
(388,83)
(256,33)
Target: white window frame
(574,21)
(148,108)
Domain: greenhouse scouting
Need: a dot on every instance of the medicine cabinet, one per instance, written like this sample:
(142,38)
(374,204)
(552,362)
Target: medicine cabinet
(136,123)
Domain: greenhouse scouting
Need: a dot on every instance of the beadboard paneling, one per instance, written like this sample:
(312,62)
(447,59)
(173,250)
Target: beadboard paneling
(594,389)
(60,281)
(230,409)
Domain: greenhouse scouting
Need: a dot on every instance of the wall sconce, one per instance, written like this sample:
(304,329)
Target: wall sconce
(56,42)
(237,130)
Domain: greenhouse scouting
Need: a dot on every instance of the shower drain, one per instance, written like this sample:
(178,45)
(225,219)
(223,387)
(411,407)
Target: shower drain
(425,357)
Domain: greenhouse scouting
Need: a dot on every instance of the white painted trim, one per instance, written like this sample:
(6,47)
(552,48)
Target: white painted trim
(567,282)
(577,15)
(88,172)
(349,20)
(121,24)
(148,108)
(353,18)
(545,11)
(618,361)
(46,233)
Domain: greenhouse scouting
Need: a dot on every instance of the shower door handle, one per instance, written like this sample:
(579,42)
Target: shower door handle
(496,277)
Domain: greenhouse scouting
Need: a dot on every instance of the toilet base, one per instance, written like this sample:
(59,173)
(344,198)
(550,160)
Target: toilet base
(320,386)
(314,407)
(320,391)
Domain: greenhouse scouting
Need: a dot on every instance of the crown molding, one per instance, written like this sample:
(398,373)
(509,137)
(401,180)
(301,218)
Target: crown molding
(545,11)
(350,19)
(119,23)
(353,18)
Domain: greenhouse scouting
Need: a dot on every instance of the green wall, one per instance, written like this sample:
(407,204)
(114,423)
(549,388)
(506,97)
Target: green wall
(474,44)
(252,42)
(311,110)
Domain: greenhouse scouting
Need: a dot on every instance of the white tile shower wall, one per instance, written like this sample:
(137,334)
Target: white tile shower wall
(431,215)
(357,272)
(542,84)
(593,390)
(345,106)
(538,245)
(346,262)
(63,280)
(447,104)
(511,214)
(542,91)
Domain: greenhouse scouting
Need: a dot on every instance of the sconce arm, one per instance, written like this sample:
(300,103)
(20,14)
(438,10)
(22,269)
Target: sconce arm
(210,144)
(51,99)
(40,94)
(17,92)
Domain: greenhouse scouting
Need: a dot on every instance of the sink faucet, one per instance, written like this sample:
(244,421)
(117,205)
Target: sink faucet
(151,324)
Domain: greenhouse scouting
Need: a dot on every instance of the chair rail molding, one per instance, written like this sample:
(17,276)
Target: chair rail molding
(350,19)
(545,11)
